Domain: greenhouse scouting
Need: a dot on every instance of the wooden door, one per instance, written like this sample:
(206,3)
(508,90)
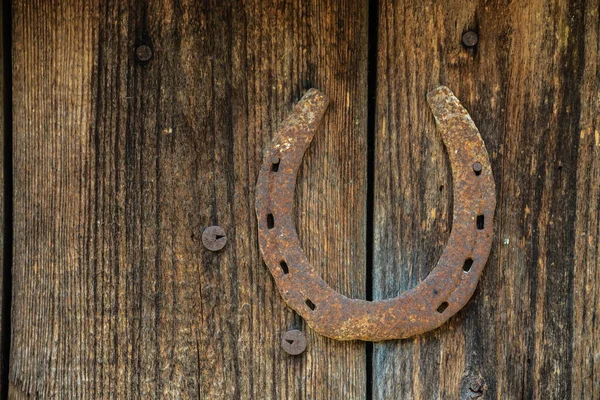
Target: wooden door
(131,126)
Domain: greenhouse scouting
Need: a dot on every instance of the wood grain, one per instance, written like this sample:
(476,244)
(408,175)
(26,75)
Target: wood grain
(530,84)
(121,164)
(585,373)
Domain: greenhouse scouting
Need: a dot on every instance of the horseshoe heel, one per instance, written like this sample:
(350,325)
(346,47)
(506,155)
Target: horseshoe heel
(449,285)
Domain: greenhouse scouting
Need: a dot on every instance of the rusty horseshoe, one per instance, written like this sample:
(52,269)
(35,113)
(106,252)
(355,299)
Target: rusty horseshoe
(432,302)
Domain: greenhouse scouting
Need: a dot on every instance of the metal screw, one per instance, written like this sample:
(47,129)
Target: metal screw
(143,52)
(470,38)
(477,167)
(214,238)
(293,342)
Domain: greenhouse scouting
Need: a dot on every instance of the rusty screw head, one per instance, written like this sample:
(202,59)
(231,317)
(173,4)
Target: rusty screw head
(477,167)
(470,38)
(214,238)
(143,52)
(293,342)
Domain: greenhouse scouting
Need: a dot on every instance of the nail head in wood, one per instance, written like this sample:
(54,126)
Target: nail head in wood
(470,38)
(293,342)
(214,238)
(143,53)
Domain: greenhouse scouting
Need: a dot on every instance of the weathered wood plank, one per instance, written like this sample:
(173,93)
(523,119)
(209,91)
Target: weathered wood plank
(52,348)
(121,165)
(530,84)
(585,382)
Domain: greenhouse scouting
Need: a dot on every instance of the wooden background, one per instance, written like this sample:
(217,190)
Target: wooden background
(118,165)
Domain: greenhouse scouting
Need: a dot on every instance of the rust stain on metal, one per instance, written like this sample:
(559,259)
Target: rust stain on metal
(449,285)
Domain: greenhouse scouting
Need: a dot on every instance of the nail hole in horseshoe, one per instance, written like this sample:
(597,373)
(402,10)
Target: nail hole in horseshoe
(275,164)
(442,307)
(480,222)
(284,267)
(310,304)
(270,221)
(468,264)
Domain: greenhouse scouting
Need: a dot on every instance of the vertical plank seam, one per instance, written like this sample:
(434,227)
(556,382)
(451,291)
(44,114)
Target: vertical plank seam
(373,39)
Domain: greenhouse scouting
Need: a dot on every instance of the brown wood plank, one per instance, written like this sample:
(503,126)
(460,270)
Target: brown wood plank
(585,382)
(531,329)
(120,165)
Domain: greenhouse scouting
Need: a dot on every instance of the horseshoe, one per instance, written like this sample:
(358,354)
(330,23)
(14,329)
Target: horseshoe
(432,302)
